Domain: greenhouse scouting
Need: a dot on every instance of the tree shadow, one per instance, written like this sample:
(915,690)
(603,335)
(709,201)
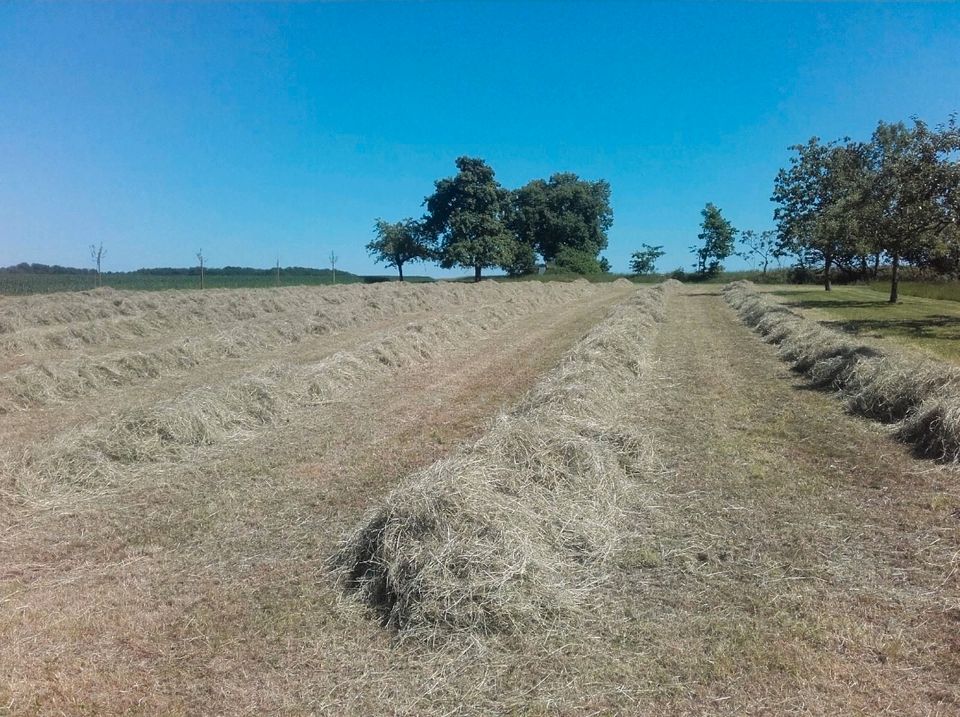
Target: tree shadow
(938,326)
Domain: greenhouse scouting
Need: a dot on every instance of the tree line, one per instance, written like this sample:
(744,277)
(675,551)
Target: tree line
(853,206)
(472,221)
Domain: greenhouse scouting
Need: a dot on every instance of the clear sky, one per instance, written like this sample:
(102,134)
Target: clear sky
(256,129)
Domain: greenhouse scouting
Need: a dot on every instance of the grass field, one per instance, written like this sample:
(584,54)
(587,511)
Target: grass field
(929,324)
(18,284)
(524,498)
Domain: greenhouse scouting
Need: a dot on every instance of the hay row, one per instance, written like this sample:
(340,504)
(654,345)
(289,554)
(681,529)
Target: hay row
(919,398)
(212,415)
(515,532)
(50,381)
(54,322)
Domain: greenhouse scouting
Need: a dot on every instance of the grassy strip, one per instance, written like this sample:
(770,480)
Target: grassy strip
(921,397)
(931,325)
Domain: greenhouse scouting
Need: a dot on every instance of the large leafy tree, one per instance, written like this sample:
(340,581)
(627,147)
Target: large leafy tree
(564,216)
(467,219)
(398,243)
(913,182)
(716,237)
(820,199)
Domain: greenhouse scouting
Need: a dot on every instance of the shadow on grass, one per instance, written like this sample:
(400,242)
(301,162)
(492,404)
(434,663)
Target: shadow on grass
(931,327)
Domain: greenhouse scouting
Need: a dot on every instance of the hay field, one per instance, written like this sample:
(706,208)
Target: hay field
(524,498)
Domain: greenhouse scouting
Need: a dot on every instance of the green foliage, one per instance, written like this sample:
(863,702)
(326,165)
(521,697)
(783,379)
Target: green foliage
(645,260)
(467,219)
(563,212)
(398,243)
(762,247)
(580,262)
(717,241)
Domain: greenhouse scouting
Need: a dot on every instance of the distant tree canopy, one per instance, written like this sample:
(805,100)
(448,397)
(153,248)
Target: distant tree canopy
(467,217)
(846,204)
(716,241)
(398,243)
(472,221)
(645,260)
(564,212)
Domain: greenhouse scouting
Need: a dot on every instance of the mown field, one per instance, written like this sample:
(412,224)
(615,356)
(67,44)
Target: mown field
(528,498)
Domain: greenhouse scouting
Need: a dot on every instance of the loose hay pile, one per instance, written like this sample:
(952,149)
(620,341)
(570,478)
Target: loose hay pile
(514,531)
(921,398)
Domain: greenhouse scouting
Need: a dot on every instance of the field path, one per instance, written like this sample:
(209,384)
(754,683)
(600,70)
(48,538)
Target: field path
(808,563)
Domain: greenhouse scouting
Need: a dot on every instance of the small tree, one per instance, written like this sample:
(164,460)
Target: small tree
(717,241)
(644,261)
(761,246)
(398,243)
(200,259)
(97,252)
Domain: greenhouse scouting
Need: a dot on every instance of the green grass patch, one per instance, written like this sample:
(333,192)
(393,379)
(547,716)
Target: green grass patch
(942,290)
(932,325)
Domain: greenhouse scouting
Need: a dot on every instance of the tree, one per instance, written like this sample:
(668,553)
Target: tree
(762,246)
(577,261)
(820,199)
(912,183)
(717,237)
(644,261)
(398,243)
(200,259)
(563,212)
(467,219)
(97,252)
(333,265)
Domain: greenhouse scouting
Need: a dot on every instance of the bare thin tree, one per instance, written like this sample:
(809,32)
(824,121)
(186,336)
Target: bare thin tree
(200,259)
(278,270)
(333,265)
(97,252)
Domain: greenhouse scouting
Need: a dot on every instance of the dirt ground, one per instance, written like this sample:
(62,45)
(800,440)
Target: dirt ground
(782,557)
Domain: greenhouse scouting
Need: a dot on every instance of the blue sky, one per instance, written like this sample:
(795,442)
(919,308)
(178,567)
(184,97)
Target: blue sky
(256,129)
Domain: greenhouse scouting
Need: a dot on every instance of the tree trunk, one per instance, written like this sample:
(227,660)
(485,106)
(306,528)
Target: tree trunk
(895,279)
(400,270)
(476,272)
(827,260)
(765,262)
(876,264)
(863,266)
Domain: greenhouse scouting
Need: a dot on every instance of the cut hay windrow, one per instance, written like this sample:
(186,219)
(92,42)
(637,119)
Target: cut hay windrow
(49,380)
(88,319)
(213,415)
(515,531)
(920,396)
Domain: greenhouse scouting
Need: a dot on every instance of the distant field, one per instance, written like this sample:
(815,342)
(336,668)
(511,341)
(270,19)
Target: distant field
(930,324)
(20,284)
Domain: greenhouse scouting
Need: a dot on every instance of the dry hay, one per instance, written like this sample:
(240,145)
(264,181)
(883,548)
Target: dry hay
(515,531)
(70,321)
(290,319)
(921,396)
(210,415)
